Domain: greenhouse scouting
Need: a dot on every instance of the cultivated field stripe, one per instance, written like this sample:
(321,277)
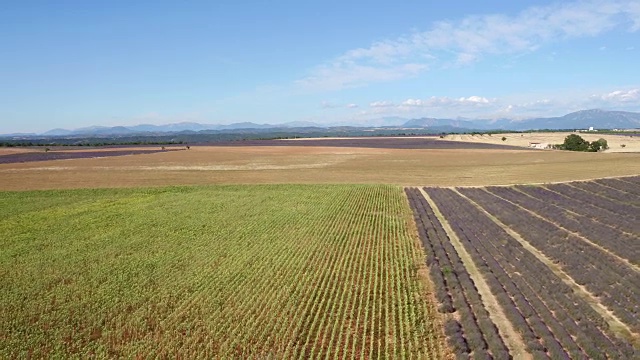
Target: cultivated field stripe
(513,341)
(617,326)
(601,191)
(233,272)
(436,339)
(581,236)
(536,206)
(333,312)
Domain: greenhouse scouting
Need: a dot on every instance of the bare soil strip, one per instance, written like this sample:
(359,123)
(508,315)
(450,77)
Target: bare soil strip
(427,292)
(512,340)
(618,327)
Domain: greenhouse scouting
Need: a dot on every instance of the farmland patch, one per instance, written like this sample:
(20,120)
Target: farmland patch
(205,272)
(562,265)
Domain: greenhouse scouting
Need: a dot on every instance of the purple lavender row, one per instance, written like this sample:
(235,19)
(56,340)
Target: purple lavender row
(574,323)
(616,215)
(538,338)
(54,155)
(632,179)
(600,191)
(566,315)
(542,201)
(475,334)
(624,210)
(614,283)
(633,190)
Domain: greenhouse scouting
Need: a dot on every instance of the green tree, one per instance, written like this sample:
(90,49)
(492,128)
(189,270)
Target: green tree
(504,138)
(603,144)
(595,146)
(575,142)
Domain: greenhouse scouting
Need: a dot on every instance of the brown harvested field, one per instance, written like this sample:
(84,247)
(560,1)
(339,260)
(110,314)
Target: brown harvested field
(631,143)
(305,165)
(14,150)
(377,142)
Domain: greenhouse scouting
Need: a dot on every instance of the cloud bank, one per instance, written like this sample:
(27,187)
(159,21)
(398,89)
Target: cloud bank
(458,43)
(483,107)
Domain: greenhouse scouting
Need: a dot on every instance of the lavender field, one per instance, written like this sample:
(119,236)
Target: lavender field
(562,261)
(75,154)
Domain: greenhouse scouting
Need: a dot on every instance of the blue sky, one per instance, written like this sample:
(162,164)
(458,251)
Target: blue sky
(69,64)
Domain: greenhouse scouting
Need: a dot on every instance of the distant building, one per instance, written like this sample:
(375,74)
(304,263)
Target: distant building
(539,145)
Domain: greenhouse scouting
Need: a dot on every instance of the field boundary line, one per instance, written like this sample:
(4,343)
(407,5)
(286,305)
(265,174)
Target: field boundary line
(512,339)
(617,326)
(567,182)
(427,287)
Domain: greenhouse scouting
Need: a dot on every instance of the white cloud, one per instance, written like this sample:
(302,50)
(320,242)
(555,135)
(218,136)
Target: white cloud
(413,102)
(544,107)
(514,107)
(474,100)
(343,75)
(376,104)
(330,105)
(621,96)
(443,101)
(461,42)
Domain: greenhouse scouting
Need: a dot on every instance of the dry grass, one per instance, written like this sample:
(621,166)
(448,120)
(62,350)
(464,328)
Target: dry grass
(270,165)
(632,143)
(15,150)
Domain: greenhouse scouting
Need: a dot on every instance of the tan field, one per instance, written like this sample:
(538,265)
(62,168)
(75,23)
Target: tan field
(305,165)
(15,150)
(632,143)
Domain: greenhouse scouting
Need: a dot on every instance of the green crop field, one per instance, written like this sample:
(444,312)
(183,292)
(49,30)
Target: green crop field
(222,271)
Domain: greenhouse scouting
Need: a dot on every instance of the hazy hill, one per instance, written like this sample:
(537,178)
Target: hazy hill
(599,119)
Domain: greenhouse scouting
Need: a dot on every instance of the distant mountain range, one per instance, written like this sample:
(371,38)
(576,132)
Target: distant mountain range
(599,119)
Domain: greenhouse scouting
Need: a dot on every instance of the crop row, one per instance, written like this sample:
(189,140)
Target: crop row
(305,272)
(603,274)
(611,212)
(551,319)
(622,185)
(598,191)
(631,179)
(553,207)
(474,333)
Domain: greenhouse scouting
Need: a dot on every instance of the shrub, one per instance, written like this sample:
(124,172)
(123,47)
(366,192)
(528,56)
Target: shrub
(575,142)
(595,146)
(504,138)
(603,144)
